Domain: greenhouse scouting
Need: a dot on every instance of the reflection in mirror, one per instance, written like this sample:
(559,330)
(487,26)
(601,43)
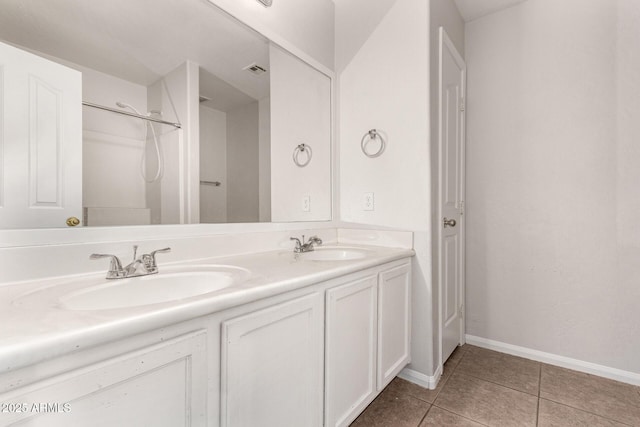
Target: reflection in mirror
(184,62)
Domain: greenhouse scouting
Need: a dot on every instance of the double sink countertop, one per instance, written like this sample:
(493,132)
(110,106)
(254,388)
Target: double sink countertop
(36,324)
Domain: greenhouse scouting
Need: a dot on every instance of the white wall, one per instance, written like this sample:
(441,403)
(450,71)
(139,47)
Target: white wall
(213,165)
(553,240)
(308,25)
(300,114)
(243,164)
(355,21)
(385,85)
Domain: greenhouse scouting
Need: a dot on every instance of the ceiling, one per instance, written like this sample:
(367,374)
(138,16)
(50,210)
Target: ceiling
(141,40)
(473,9)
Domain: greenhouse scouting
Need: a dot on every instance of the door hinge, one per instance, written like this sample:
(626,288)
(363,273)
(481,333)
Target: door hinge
(461,207)
(461,310)
(462,104)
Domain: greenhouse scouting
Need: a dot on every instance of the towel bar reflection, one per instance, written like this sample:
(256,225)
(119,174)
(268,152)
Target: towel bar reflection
(302,148)
(372,135)
(212,183)
(126,113)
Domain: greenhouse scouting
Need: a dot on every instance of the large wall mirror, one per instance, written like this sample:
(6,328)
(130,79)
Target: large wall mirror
(141,112)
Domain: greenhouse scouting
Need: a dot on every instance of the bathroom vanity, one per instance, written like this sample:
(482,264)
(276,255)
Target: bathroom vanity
(291,340)
(235,329)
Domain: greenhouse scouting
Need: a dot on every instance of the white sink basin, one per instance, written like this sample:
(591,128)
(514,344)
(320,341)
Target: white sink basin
(170,284)
(334,254)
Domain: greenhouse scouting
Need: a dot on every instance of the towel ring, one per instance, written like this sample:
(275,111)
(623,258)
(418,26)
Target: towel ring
(369,136)
(302,148)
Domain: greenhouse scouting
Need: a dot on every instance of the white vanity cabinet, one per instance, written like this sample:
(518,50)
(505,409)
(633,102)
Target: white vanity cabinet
(367,339)
(310,356)
(272,366)
(272,362)
(161,385)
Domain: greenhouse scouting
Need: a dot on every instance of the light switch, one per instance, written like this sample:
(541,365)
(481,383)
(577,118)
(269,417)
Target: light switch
(306,204)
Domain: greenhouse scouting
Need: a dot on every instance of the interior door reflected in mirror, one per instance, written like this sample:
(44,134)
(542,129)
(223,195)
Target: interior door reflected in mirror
(183,115)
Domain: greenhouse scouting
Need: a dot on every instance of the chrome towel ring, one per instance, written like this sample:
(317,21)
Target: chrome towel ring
(370,136)
(302,148)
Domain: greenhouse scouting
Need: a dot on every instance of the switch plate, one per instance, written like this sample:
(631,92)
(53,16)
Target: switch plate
(368,203)
(306,204)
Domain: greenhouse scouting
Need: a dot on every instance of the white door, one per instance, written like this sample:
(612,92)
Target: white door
(451,196)
(40,141)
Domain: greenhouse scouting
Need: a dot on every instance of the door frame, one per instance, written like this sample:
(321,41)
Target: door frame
(445,42)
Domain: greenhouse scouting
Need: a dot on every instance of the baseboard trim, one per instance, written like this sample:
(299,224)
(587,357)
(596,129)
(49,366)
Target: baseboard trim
(421,379)
(556,360)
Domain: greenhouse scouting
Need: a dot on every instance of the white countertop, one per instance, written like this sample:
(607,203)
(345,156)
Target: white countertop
(43,329)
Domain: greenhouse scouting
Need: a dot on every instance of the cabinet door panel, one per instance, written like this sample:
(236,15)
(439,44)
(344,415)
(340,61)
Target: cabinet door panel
(394,322)
(162,385)
(272,366)
(350,364)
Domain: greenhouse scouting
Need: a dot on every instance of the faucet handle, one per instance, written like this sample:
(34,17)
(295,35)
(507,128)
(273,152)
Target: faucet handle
(315,239)
(150,259)
(115,267)
(153,253)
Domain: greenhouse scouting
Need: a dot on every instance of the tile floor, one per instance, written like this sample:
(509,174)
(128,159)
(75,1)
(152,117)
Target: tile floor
(482,387)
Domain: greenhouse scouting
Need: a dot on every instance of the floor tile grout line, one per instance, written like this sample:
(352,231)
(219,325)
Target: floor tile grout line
(425,416)
(495,383)
(539,380)
(446,380)
(437,393)
(586,411)
(490,382)
(459,415)
(539,387)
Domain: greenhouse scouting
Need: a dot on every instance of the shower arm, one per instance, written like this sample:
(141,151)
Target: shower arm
(126,113)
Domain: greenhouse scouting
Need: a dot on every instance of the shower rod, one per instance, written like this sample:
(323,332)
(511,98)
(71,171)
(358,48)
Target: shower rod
(126,113)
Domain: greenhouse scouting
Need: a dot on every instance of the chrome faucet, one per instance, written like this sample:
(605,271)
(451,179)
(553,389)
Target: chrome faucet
(305,247)
(142,266)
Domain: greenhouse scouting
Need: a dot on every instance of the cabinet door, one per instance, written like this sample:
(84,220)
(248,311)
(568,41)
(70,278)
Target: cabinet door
(162,385)
(351,329)
(394,322)
(272,366)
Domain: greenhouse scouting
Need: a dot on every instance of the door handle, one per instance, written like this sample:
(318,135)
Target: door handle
(449,222)
(73,221)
